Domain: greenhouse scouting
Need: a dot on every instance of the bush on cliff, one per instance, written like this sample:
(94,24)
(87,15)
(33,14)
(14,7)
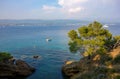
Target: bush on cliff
(116,59)
(5,56)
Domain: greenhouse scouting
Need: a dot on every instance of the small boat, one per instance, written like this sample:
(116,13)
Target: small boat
(47,39)
(105,26)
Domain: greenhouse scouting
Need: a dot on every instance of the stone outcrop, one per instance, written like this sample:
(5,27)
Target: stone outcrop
(97,67)
(70,68)
(76,67)
(16,68)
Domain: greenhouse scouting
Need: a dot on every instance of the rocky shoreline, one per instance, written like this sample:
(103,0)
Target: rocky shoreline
(14,69)
(106,66)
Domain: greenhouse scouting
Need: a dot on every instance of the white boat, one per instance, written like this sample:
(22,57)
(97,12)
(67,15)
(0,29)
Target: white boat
(47,39)
(105,26)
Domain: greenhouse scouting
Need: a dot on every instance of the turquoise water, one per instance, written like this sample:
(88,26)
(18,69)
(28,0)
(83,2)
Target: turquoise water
(23,42)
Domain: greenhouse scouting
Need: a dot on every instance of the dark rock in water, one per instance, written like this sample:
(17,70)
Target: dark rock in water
(23,68)
(36,56)
(18,69)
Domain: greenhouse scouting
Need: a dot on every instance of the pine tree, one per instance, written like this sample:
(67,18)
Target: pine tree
(91,39)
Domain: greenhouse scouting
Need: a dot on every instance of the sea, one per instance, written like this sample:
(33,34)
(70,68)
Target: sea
(25,39)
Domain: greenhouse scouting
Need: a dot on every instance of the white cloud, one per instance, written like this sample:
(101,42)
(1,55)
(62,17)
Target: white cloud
(75,10)
(48,8)
(107,1)
(67,9)
(70,3)
(71,6)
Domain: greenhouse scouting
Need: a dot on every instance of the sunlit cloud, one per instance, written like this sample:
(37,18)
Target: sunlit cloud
(48,8)
(70,3)
(66,7)
(75,10)
(72,6)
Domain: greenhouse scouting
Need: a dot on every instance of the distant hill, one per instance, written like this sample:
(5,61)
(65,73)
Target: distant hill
(42,22)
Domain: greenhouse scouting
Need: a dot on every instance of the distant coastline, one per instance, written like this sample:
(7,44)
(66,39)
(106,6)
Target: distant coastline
(31,22)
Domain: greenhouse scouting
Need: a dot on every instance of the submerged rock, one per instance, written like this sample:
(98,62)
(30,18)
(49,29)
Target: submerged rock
(18,69)
(36,56)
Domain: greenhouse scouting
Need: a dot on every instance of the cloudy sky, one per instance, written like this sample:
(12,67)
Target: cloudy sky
(60,9)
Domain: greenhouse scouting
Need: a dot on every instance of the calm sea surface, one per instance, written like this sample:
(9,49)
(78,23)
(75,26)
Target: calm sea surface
(23,42)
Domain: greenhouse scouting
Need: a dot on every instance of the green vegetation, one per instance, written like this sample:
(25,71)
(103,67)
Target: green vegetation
(5,56)
(117,59)
(102,49)
(118,77)
(116,38)
(92,39)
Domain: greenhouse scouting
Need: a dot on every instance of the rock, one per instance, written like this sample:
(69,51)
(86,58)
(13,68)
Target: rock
(23,68)
(70,68)
(12,61)
(69,62)
(97,57)
(36,57)
(18,69)
(98,66)
(101,76)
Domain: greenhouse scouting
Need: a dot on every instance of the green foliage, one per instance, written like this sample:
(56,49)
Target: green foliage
(5,56)
(117,59)
(73,46)
(93,38)
(103,70)
(73,34)
(116,38)
(117,77)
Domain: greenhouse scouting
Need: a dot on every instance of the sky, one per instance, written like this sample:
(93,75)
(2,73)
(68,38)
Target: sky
(60,9)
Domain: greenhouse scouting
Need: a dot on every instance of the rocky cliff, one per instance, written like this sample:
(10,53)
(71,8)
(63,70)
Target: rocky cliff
(16,68)
(105,66)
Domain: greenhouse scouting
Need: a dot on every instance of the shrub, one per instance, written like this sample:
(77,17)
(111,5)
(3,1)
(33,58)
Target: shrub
(5,56)
(117,77)
(117,59)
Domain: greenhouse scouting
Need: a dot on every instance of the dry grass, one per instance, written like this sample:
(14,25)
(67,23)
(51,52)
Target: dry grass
(115,52)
